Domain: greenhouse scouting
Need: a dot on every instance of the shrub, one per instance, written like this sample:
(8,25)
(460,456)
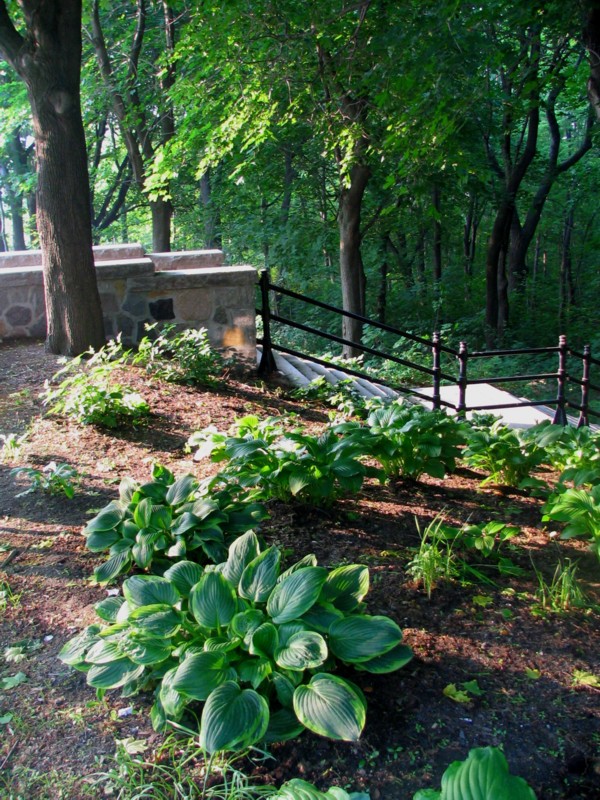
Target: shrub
(90,396)
(180,356)
(255,644)
(165,520)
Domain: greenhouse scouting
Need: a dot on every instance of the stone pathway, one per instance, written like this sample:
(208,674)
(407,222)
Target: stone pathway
(301,371)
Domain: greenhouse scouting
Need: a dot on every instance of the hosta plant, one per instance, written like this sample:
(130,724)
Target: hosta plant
(409,440)
(165,520)
(287,465)
(255,644)
(297,789)
(575,452)
(505,455)
(484,775)
(53,479)
(580,509)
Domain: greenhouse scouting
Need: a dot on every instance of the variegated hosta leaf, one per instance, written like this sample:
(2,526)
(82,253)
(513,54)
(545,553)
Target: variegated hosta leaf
(483,776)
(329,706)
(254,670)
(309,560)
(145,649)
(212,601)
(109,608)
(394,659)
(114,674)
(233,718)
(146,590)
(97,541)
(103,652)
(183,576)
(107,519)
(304,650)
(346,586)
(143,513)
(291,598)
(283,725)
(157,620)
(265,640)
(114,566)
(198,675)
(321,616)
(171,701)
(260,576)
(241,552)
(246,622)
(362,637)
(181,491)
(73,652)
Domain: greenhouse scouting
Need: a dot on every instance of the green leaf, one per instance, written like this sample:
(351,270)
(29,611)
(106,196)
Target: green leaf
(283,725)
(97,541)
(143,513)
(329,706)
(213,601)
(145,649)
(394,659)
(184,575)
(304,650)
(294,595)
(157,619)
(103,652)
(246,622)
(483,776)
(265,640)
(109,608)
(233,718)
(346,586)
(106,520)
(254,670)
(321,616)
(114,674)
(73,652)
(114,566)
(362,638)
(182,490)
(260,576)
(146,590)
(199,674)
(241,552)
(12,681)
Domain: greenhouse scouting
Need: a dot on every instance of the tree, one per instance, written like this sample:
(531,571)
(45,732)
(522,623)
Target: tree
(47,56)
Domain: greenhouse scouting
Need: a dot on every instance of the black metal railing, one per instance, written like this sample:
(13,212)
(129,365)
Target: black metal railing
(565,357)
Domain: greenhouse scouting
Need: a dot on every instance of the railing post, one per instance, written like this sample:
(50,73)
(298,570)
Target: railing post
(267,360)
(437,368)
(560,415)
(585,386)
(463,354)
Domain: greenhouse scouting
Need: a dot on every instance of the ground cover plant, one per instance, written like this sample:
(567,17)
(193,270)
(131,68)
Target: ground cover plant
(493,664)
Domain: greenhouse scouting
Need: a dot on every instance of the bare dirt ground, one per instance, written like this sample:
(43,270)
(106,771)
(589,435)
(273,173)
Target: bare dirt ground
(53,732)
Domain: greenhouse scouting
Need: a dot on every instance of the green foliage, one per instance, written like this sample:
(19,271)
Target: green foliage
(412,441)
(179,356)
(563,593)
(288,465)
(165,520)
(434,560)
(91,396)
(8,598)
(580,509)
(575,452)
(484,775)
(505,454)
(53,478)
(342,395)
(10,446)
(256,645)
(297,789)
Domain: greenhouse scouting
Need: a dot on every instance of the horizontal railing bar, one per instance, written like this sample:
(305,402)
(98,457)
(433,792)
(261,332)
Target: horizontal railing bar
(591,358)
(358,374)
(340,340)
(351,315)
(519,352)
(512,405)
(594,387)
(509,379)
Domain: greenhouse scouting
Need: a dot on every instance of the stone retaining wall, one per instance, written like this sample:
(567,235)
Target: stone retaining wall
(190,289)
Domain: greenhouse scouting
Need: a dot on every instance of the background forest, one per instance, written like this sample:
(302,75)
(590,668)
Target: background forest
(432,164)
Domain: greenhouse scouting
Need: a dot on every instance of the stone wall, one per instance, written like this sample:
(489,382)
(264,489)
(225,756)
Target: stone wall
(189,289)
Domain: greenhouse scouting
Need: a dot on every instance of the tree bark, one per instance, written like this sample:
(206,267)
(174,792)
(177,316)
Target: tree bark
(352,273)
(592,42)
(48,58)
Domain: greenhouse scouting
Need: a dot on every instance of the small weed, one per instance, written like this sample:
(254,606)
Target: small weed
(8,598)
(434,560)
(563,593)
(10,446)
(53,479)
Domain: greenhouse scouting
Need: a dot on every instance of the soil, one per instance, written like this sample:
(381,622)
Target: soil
(523,659)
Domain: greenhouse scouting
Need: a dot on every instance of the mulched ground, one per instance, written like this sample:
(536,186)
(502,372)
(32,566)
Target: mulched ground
(523,661)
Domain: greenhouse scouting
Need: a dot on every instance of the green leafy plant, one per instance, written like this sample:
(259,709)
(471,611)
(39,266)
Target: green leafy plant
(504,454)
(409,441)
(180,356)
(434,560)
(89,393)
(485,541)
(575,452)
(288,465)
(563,592)
(580,509)
(484,775)
(256,645)
(53,478)
(10,446)
(8,598)
(342,396)
(165,520)
(297,789)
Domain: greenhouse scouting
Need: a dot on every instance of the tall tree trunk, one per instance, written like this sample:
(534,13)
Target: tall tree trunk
(567,284)
(437,237)
(351,265)
(591,38)
(48,58)
(383,280)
